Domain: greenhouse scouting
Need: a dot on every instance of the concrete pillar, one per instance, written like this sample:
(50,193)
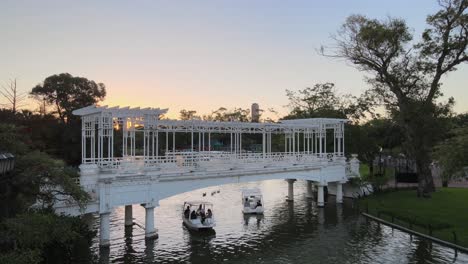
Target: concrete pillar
(128,215)
(150,231)
(290,189)
(310,194)
(339,192)
(320,196)
(104,232)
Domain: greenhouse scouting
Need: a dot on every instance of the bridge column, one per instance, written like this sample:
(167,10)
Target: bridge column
(339,192)
(104,232)
(150,231)
(309,190)
(320,196)
(290,189)
(128,215)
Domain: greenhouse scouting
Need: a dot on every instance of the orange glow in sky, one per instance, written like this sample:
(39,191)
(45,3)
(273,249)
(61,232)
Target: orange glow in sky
(194,55)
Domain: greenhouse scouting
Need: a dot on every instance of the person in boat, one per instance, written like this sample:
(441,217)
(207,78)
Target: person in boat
(193,215)
(201,211)
(187,212)
(259,203)
(246,203)
(209,214)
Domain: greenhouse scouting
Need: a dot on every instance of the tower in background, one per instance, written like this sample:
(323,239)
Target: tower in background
(255,112)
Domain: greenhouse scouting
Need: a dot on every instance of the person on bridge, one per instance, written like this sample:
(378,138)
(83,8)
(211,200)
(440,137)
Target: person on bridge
(193,215)
(187,212)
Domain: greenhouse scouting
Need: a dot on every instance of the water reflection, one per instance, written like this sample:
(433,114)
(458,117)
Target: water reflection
(104,255)
(288,232)
(149,250)
(258,218)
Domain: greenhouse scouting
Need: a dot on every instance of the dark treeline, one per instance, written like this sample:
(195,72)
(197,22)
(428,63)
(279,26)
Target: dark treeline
(46,146)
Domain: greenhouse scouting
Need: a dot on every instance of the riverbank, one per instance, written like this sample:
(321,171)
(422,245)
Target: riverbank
(444,216)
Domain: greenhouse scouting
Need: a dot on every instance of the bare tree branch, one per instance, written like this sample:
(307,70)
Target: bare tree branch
(14,97)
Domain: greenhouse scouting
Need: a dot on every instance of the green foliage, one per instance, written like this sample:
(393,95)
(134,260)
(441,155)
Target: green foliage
(405,78)
(67,93)
(372,137)
(38,181)
(223,114)
(46,180)
(364,171)
(321,100)
(188,115)
(11,139)
(21,256)
(45,133)
(452,154)
(47,238)
(377,180)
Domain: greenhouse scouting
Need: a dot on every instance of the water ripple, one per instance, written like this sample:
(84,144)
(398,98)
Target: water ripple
(297,232)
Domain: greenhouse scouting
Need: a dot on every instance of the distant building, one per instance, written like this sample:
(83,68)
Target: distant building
(255,112)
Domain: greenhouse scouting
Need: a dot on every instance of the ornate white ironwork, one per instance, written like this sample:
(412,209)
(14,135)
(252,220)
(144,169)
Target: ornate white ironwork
(148,142)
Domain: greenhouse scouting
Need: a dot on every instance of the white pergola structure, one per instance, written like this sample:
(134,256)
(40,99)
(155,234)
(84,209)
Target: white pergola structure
(132,156)
(151,141)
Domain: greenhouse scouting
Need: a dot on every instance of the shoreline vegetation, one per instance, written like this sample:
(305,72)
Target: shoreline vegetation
(443,216)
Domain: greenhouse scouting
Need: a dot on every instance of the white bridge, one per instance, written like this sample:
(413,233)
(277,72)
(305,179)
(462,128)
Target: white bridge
(131,156)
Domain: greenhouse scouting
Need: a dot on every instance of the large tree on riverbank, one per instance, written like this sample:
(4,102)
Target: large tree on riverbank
(66,93)
(406,77)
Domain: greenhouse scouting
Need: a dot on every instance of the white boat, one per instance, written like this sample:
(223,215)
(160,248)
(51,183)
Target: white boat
(200,216)
(252,201)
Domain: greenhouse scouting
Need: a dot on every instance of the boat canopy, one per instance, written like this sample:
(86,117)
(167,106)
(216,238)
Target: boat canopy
(251,192)
(195,203)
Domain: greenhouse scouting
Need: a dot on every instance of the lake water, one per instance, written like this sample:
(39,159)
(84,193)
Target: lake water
(289,232)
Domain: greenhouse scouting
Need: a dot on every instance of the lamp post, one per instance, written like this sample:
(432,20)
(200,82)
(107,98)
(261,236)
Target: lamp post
(7,162)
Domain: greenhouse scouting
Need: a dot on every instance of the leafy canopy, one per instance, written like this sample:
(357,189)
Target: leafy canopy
(404,76)
(67,93)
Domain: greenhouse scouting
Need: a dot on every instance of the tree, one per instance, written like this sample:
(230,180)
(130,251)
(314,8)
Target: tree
(12,140)
(405,77)
(188,115)
(223,114)
(29,230)
(14,97)
(43,237)
(67,93)
(317,101)
(36,179)
(371,140)
(323,100)
(452,154)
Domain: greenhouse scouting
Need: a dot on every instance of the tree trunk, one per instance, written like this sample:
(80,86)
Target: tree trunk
(425,180)
(420,128)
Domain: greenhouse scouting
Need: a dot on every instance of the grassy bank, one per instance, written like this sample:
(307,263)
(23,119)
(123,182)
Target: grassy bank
(446,212)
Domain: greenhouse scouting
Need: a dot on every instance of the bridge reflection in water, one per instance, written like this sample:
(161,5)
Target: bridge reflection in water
(289,232)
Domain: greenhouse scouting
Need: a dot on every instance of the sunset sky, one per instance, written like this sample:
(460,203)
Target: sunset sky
(196,55)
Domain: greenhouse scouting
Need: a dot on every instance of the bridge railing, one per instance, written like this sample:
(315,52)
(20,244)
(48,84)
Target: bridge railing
(215,160)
